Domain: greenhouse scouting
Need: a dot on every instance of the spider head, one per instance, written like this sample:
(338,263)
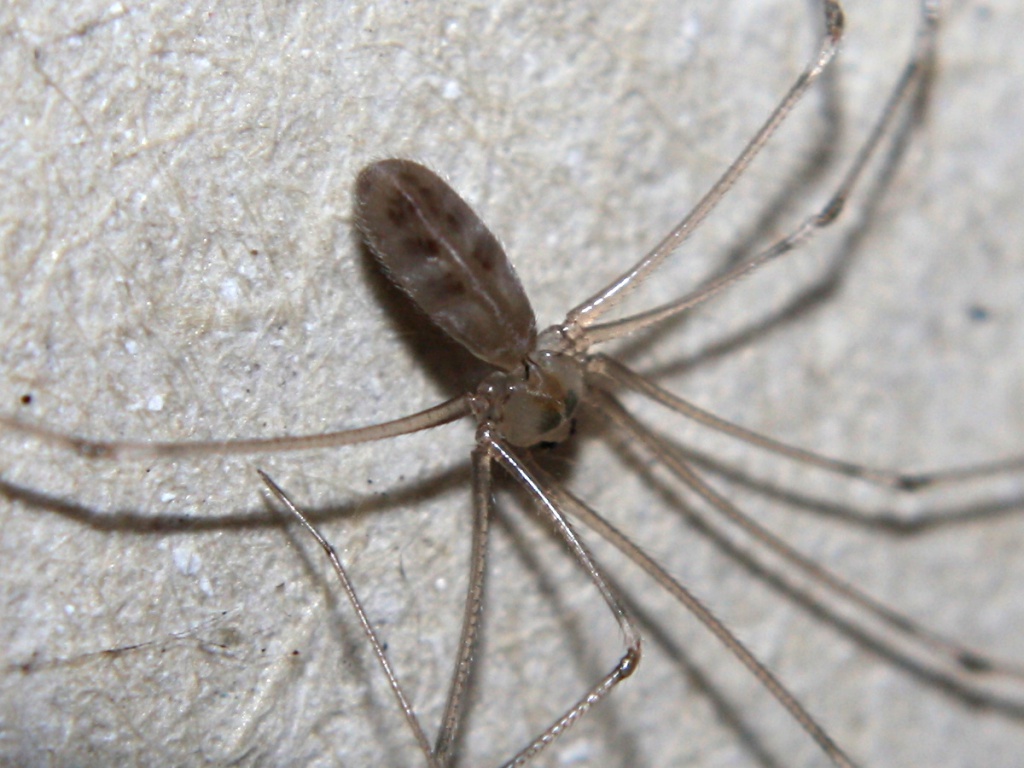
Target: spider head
(534,403)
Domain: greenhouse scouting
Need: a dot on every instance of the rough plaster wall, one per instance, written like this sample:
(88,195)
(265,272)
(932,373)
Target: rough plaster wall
(178,261)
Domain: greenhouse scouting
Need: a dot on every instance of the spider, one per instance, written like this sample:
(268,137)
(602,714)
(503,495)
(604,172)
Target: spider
(505,428)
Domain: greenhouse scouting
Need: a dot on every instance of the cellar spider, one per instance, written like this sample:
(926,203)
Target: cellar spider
(286,484)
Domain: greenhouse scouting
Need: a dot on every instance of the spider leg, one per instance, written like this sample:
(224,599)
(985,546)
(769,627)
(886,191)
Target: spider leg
(942,659)
(692,603)
(446,412)
(546,496)
(483,502)
(583,316)
(603,365)
(364,621)
(914,79)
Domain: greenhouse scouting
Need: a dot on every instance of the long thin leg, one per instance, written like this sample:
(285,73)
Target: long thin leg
(602,365)
(586,313)
(446,412)
(482,509)
(913,78)
(958,658)
(544,495)
(364,621)
(620,541)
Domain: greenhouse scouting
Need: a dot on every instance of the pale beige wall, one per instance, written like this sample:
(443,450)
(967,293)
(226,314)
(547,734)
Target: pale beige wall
(178,261)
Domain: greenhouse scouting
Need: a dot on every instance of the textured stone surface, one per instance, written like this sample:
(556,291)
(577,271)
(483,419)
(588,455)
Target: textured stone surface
(178,261)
